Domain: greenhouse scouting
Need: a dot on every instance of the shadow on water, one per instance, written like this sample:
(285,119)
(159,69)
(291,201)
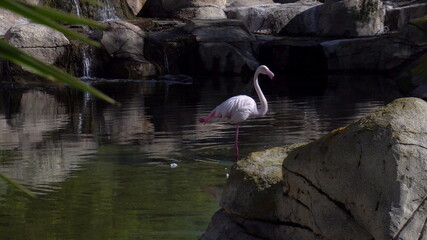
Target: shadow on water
(148,169)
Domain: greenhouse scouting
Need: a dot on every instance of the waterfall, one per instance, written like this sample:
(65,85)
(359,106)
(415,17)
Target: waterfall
(76,3)
(166,60)
(107,10)
(87,52)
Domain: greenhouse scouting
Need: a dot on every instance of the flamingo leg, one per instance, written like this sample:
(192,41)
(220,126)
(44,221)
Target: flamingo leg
(236,143)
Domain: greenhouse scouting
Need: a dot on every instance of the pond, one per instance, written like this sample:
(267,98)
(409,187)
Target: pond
(148,169)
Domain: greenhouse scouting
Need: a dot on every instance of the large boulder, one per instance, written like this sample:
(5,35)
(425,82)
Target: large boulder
(268,18)
(124,43)
(185,9)
(369,175)
(340,18)
(41,42)
(363,181)
(9,19)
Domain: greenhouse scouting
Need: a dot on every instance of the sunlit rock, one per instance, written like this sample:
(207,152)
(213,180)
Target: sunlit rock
(9,19)
(41,42)
(340,18)
(365,180)
(185,9)
(136,5)
(268,18)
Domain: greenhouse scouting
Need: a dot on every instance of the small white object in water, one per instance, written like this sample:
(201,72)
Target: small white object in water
(227,175)
(174,165)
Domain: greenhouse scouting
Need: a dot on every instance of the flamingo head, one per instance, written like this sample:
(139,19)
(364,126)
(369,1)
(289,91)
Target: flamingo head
(264,70)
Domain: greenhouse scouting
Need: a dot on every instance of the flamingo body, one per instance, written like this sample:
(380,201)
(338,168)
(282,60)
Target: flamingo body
(239,108)
(234,110)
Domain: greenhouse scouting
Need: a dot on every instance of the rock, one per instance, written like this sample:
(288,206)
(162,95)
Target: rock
(261,173)
(415,31)
(136,5)
(397,17)
(356,18)
(294,55)
(124,42)
(268,18)
(200,13)
(368,175)
(374,54)
(252,199)
(9,19)
(174,51)
(185,9)
(225,46)
(245,3)
(216,46)
(363,181)
(41,42)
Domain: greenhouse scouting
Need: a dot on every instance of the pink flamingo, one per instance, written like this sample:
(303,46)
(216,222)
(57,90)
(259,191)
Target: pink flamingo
(239,108)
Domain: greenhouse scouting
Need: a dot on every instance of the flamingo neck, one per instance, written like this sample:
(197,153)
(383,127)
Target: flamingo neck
(264,105)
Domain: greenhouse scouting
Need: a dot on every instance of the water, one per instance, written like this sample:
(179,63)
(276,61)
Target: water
(77,5)
(148,169)
(107,12)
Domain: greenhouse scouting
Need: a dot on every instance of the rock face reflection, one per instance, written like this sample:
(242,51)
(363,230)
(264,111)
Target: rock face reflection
(40,158)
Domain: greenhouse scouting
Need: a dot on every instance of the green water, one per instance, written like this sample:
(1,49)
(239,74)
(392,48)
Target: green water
(147,169)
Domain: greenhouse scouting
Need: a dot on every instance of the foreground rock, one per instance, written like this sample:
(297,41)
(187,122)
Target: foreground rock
(363,181)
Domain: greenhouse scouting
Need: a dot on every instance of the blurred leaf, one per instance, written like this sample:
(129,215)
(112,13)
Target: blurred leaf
(50,72)
(16,185)
(421,67)
(420,23)
(44,16)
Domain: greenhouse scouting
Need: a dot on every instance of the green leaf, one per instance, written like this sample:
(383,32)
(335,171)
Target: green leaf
(16,185)
(51,72)
(420,69)
(43,17)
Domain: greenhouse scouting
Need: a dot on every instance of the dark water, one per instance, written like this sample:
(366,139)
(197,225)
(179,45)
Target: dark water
(107,172)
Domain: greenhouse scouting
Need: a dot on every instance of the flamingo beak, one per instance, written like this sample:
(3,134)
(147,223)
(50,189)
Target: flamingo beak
(270,74)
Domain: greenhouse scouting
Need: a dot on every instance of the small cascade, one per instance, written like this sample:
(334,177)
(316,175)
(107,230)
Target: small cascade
(166,60)
(78,10)
(87,52)
(107,10)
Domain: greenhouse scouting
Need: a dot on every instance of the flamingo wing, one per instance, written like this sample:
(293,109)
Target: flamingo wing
(234,110)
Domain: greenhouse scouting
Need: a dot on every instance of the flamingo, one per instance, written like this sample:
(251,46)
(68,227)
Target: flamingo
(239,108)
